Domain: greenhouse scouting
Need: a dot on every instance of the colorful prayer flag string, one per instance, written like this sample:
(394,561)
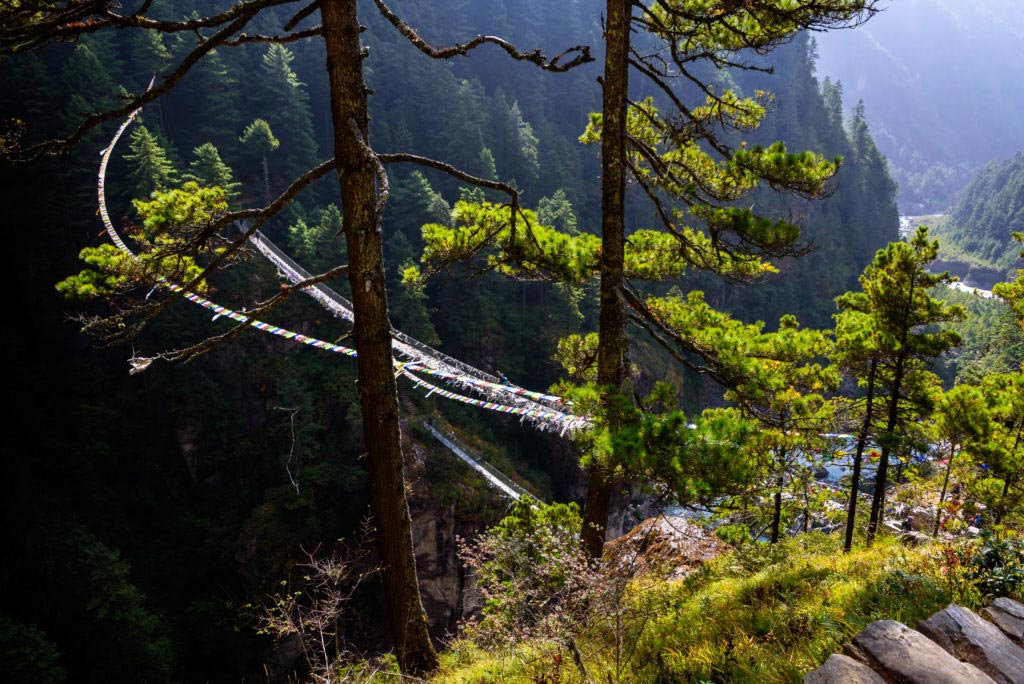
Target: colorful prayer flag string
(551,418)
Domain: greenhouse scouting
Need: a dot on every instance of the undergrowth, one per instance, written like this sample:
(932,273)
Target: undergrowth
(761,614)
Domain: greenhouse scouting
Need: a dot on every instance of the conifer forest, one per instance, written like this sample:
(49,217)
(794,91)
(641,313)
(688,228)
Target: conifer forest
(504,340)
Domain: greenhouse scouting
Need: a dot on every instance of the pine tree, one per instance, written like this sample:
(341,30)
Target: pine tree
(557,211)
(684,160)
(999,454)
(208,169)
(151,170)
(893,345)
(260,141)
(219,120)
(316,245)
(285,105)
(961,419)
(359,169)
(780,387)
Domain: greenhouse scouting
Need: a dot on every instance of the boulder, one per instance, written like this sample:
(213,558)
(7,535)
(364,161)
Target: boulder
(669,545)
(973,640)
(1008,616)
(840,669)
(909,657)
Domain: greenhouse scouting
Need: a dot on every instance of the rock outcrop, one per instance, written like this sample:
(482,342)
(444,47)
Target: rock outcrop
(976,641)
(669,545)
(953,646)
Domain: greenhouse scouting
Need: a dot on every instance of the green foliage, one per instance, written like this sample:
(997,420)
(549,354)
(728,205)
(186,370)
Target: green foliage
(993,342)
(317,245)
(999,452)
(138,635)
(997,566)
(27,655)
(556,211)
(736,535)
(892,322)
(759,615)
(712,236)
(528,249)
(258,136)
(530,571)
(285,103)
(409,307)
(209,170)
(172,235)
(979,228)
(151,170)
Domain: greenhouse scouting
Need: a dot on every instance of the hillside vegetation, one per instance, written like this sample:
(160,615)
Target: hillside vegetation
(979,228)
(757,615)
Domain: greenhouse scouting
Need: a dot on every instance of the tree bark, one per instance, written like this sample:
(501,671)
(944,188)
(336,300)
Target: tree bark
(777,509)
(881,479)
(611,352)
(945,486)
(899,369)
(851,511)
(372,335)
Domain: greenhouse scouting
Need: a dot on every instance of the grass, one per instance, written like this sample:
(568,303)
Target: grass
(758,615)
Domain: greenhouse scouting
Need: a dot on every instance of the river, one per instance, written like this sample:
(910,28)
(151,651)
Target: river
(973,279)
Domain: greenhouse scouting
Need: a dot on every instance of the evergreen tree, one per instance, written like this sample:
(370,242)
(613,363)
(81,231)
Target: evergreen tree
(525,164)
(683,160)
(286,106)
(665,156)
(219,120)
(316,245)
(893,310)
(557,211)
(872,174)
(999,454)
(149,54)
(780,388)
(90,88)
(414,200)
(151,170)
(208,169)
(962,419)
(260,141)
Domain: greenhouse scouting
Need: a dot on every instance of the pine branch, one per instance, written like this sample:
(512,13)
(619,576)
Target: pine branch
(404,157)
(302,14)
(287,38)
(247,8)
(581,52)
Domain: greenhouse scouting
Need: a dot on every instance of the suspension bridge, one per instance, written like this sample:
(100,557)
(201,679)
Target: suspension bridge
(544,411)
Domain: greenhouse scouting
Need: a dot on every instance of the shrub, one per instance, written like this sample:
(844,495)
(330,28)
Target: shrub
(997,568)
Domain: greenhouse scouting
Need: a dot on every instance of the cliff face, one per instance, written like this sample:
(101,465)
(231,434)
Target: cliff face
(445,589)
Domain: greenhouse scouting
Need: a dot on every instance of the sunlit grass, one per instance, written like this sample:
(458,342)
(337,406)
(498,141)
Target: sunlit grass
(758,615)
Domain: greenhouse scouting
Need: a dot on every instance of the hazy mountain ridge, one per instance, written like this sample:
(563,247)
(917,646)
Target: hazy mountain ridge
(940,83)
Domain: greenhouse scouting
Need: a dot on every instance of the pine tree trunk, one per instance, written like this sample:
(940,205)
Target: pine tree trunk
(611,353)
(1001,508)
(777,510)
(899,368)
(942,496)
(372,334)
(881,479)
(851,511)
